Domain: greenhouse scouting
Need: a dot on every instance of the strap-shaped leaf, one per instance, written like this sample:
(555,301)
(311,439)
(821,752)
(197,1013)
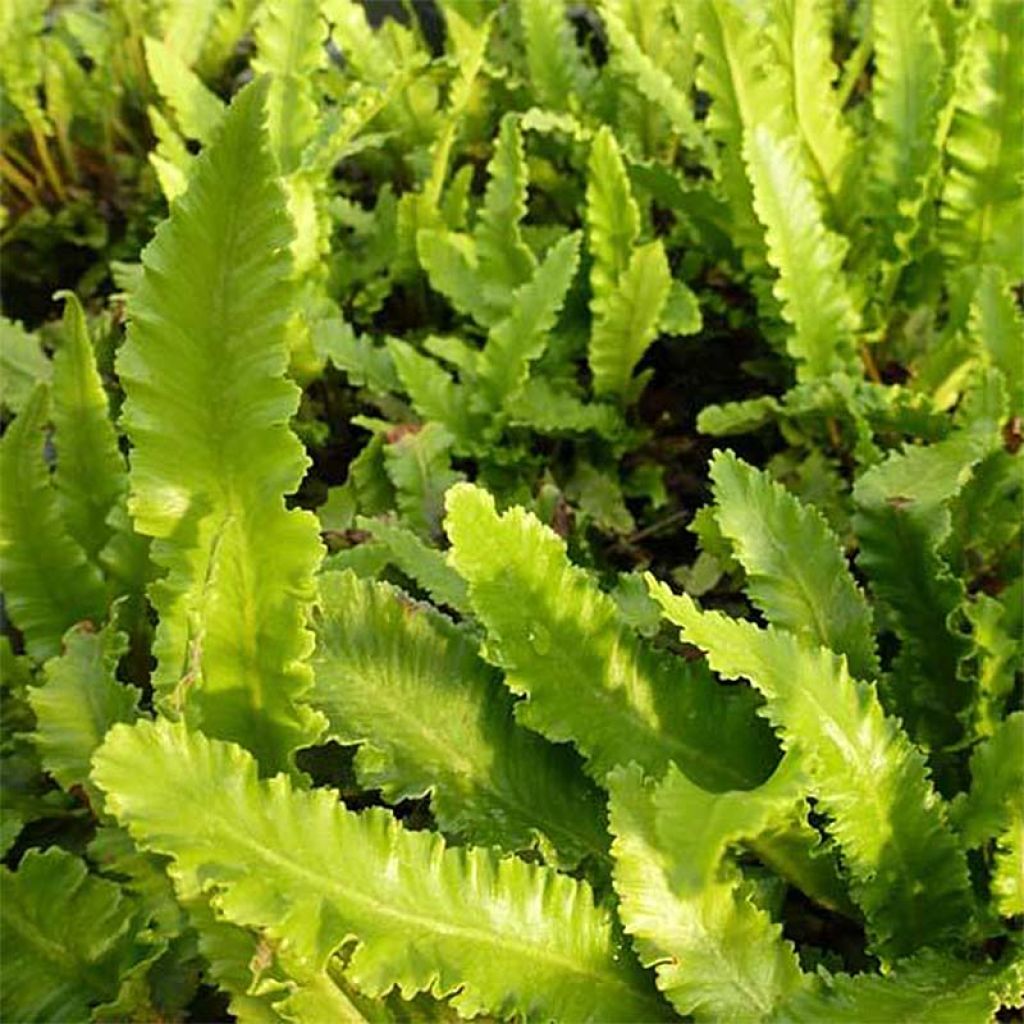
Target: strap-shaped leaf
(433,717)
(552,411)
(49,584)
(807,255)
(902,520)
(207,412)
(79,701)
(197,110)
(504,260)
(908,872)
(930,987)
(419,465)
(557,72)
(91,475)
(504,936)
(67,936)
(522,336)
(629,319)
(996,322)
(982,207)
(613,218)
(22,364)
(796,572)
(717,956)
(907,92)
(586,675)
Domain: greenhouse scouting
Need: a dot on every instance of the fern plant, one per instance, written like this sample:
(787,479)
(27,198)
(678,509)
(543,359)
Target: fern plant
(355,662)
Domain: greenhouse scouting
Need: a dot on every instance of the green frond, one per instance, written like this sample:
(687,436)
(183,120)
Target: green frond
(419,466)
(551,411)
(907,94)
(450,260)
(505,937)
(68,939)
(982,205)
(91,475)
(797,574)
(504,261)
(290,48)
(185,24)
(433,717)
(717,955)
(207,411)
(931,988)
(558,75)
(902,520)
(434,393)
(586,676)
(996,322)
(816,301)
(522,336)
(630,315)
(22,365)
(909,874)
(197,110)
(49,584)
(613,218)
(80,699)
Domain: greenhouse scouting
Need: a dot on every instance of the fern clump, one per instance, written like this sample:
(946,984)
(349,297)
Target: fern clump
(388,632)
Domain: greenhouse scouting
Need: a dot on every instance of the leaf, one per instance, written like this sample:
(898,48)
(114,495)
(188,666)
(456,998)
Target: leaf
(522,337)
(450,260)
(80,699)
(902,520)
(431,389)
(49,584)
(551,411)
(197,111)
(613,218)
(508,936)
(796,572)
(808,257)
(982,207)
(717,956)
(22,365)
(586,676)
(68,938)
(907,871)
(433,717)
(996,322)
(419,465)
(365,364)
(91,476)
(629,319)
(503,259)
(207,412)
(557,72)
(931,987)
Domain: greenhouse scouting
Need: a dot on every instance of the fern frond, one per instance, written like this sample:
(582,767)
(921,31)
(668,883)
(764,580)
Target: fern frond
(996,322)
(717,955)
(419,466)
(197,110)
(22,365)
(68,939)
(505,937)
(865,773)
(434,393)
(586,676)
(907,93)
(185,24)
(982,205)
(930,987)
(630,316)
(796,572)
(91,476)
(504,260)
(80,699)
(558,75)
(808,256)
(550,411)
(433,717)
(902,520)
(522,336)
(49,583)
(207,412)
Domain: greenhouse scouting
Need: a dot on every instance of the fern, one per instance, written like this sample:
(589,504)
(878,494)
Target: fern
(425,916)
(557,72)
(231,638)
(49,583)
(381,664)
(796,573)
(863,770)
(717,955)
(22,365)
(586,677)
